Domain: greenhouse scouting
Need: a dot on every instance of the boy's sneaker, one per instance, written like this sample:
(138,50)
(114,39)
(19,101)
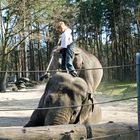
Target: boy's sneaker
(74,74)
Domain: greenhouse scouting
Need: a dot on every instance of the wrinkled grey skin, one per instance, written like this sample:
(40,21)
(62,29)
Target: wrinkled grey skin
(65,91)
(83,60)
(94,73)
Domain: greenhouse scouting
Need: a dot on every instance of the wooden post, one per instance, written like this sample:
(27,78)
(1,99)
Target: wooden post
(114,131)
(138,88)
(60,132)
(106,131)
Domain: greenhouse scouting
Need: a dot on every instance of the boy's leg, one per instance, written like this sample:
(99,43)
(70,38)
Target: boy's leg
(69,60)
(63,64)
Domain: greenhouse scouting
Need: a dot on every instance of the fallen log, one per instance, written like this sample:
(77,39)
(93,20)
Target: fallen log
(106,131)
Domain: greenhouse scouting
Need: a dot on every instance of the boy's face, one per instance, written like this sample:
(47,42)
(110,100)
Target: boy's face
(61,29)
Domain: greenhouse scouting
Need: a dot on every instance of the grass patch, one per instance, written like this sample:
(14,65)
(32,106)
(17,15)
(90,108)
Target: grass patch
(118,89)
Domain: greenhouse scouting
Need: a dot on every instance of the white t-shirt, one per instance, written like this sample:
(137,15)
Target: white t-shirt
(66,38)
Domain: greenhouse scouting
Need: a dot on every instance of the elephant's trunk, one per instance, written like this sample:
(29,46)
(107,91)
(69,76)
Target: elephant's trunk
(58,117)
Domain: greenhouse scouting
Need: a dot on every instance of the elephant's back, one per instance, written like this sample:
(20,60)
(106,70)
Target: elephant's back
(91,62)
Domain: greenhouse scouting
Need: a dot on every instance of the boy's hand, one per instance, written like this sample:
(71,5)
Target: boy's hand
(55,51)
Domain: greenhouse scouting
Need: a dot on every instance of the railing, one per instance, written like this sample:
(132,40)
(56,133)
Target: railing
(105,102)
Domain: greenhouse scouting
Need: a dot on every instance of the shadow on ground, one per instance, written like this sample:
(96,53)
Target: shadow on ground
(13,121)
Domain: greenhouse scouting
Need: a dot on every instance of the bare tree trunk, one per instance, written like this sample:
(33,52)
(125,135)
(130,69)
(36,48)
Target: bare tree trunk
(3,77)
(3,57)
(25,42)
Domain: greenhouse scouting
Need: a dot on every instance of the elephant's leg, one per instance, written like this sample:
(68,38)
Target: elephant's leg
(38,116)
(37,119)
(96,115)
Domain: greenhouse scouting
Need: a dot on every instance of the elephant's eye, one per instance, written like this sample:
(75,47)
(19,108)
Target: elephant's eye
(49,99)
(74,112)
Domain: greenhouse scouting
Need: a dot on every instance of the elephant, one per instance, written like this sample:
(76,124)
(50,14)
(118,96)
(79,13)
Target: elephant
(65,95)
(88,66)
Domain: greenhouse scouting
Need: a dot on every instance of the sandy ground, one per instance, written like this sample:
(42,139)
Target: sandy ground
(124,111)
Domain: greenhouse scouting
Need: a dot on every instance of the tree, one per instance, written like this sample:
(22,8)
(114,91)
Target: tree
(23,20)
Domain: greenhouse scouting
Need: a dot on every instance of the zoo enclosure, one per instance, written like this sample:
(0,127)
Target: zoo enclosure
(138,81)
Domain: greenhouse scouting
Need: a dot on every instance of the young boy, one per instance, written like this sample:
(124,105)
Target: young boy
(66,49)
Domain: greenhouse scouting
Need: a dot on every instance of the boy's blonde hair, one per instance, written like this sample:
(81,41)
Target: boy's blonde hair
(61,23)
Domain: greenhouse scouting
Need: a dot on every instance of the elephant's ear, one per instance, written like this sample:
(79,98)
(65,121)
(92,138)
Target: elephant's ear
(81,86)
(78,61)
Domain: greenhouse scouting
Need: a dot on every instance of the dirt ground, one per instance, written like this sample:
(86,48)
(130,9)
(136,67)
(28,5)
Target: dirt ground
(124,111)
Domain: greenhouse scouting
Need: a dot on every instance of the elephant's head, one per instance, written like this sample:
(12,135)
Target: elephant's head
(69,103)
(90,68)
(68,94)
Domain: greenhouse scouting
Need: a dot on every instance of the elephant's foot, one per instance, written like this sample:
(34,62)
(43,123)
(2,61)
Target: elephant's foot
(95,116)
